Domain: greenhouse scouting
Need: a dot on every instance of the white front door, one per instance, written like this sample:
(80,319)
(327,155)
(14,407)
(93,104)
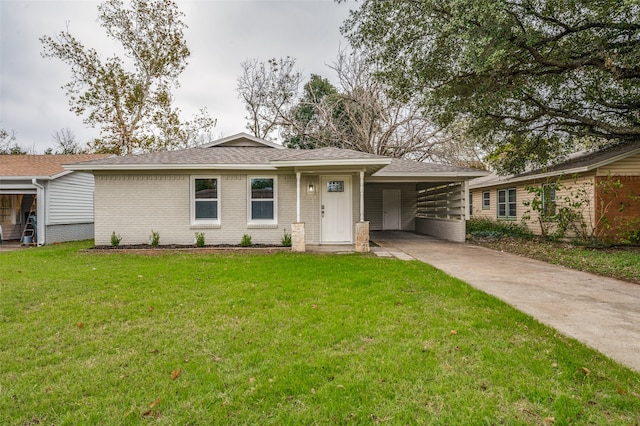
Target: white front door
(390,209)
(336,220)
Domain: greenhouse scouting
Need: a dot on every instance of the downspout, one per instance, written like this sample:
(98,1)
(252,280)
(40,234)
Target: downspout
(40,214)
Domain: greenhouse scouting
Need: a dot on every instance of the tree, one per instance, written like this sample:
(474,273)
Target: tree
(532,78)
(66,143)
(359,115)
(267,90)
(306,126)
(8,144)
(133,107)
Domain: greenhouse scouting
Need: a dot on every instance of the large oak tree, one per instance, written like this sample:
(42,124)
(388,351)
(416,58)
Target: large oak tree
(533,78)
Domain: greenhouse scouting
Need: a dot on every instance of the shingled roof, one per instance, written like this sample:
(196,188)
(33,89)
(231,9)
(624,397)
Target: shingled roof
(242,151)
(31,166)
(576,163)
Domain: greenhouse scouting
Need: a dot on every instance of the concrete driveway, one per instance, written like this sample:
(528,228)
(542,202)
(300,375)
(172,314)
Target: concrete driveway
(601,312)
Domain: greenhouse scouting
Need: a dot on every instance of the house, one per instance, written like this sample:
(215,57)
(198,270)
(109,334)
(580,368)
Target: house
(245,185)
(603,186)
(39,196)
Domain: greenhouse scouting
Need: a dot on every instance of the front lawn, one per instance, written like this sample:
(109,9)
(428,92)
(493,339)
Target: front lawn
(178,338)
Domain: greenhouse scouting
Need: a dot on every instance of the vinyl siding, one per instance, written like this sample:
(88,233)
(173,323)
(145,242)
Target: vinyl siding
(70,199)
(626,167)
(570,185)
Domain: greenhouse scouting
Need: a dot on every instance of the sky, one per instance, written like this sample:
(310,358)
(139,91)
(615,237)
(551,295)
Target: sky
(221,35)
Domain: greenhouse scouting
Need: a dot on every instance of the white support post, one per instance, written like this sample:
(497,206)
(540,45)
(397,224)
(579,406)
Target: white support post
(465,194)
(361,196)
(298,196)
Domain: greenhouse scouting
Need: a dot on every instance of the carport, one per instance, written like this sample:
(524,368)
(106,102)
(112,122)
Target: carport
(427,198)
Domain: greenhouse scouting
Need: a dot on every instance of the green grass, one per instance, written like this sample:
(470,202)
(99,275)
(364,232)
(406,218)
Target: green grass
(90,338)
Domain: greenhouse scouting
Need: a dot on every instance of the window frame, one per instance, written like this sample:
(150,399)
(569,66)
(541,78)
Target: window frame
(193,200)
(507,204)
(486,201)
(549,198)
(274,200)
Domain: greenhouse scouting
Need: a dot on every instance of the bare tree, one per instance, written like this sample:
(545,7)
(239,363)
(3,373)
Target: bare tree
(268,90)
(66,143)
(8,144)
(364,117)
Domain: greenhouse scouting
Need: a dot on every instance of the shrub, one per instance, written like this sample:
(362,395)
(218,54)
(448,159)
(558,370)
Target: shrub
(115,239)
(246,241)
(199,239)
(155,238)
(286,239)
(487,228)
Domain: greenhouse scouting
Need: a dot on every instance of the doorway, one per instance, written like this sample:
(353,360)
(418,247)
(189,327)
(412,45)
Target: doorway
(335,210)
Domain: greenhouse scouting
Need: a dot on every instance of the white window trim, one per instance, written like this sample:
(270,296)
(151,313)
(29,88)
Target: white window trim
(192,201)
(250,220)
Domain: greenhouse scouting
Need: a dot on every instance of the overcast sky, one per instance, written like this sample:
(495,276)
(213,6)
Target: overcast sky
(221,34)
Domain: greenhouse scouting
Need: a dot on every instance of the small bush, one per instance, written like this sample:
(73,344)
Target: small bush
(487,228)
(246,241)
(155,238)
(286,239)
(115,239)
(199,239)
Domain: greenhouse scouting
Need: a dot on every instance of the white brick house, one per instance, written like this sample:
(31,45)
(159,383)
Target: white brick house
(245,185)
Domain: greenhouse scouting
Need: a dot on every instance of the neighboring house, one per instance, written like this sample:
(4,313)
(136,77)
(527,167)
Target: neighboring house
(52,203)
(606,183)
(245,185)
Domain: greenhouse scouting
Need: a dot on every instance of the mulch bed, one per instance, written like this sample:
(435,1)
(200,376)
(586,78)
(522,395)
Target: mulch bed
(222,248)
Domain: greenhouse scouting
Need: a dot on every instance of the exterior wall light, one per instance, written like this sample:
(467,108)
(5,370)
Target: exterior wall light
(311,189)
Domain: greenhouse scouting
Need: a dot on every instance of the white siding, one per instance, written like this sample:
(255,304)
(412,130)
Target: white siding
(70,199)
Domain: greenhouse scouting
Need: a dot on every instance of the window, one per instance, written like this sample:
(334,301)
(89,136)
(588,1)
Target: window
(486,200)
(548,200)
(470,204)
(507,203)
(6,210)
(262,202)
(206,206)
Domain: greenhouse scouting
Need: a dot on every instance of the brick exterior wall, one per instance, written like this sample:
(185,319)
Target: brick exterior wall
(132,205)
(452,230)
(619,207)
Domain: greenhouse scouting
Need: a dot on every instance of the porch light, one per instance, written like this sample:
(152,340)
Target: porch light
(311,189)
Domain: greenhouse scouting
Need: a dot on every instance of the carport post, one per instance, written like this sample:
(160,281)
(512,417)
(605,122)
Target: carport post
(297,196)
(362,196)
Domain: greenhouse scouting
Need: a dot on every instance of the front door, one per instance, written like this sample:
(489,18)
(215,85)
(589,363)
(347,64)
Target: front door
(390,209)
(335,209)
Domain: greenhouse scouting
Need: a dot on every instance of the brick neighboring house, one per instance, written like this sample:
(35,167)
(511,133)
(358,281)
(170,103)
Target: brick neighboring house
(37,193)
(245,185)
(611,213)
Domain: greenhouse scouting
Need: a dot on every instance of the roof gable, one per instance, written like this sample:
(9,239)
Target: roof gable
(243,140)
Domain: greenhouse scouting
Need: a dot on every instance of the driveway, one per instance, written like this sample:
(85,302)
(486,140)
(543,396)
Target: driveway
(601,312)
